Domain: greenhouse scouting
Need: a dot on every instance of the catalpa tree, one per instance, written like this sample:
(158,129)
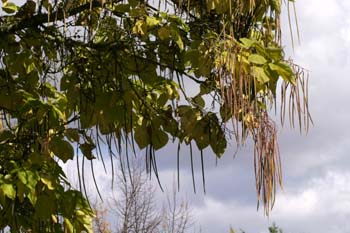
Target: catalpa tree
(77,74)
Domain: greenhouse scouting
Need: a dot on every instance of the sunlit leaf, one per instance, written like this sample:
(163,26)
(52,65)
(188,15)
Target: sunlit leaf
(257,59)
(152,21)
(260,74)
(68,225)
(8,190)
(28,178)
(140,27)
(9,7)
(48,182)
(285,71)
(30,67)
(247,42)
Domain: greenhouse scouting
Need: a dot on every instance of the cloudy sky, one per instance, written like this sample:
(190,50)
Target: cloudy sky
(316,195)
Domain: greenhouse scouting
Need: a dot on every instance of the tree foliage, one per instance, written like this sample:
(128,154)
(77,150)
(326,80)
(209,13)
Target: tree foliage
(76,74)
(275,229)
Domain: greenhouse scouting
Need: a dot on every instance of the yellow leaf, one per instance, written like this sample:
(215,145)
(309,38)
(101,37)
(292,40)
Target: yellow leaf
(48,183)
(68,225)
(152,21)
(54,218)
(140,27)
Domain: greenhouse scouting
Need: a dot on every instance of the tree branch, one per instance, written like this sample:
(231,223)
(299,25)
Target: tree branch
(40,18)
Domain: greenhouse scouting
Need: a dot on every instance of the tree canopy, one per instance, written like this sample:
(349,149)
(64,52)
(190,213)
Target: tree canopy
(78,74)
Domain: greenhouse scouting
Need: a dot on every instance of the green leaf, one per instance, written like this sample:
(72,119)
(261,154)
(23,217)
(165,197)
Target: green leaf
(177,37)
(86,149)
(72,134)
(260,74)
(134,3)
(179,42)
(10,7)
(204,67)
(218,5)
(7,101)
(58,112)
(218,146)
(8,190)
(225,112)
(276,5)
(171,126)
(284,71)
(164,33)
(46,4)
(275,53)
(88,117)
(247,42)
(44,206)
(29,68)
(257,59)
(141,137)
(159,139)
(217,138)
(121,8)
(163,99)
(199,101)
(62,149)
(32,196)
(28,178)
(192,58)
(20,191)
(5,136)
(200,135)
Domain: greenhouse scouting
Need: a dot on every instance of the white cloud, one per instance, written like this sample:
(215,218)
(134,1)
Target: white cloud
(217,216)
(322,205)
